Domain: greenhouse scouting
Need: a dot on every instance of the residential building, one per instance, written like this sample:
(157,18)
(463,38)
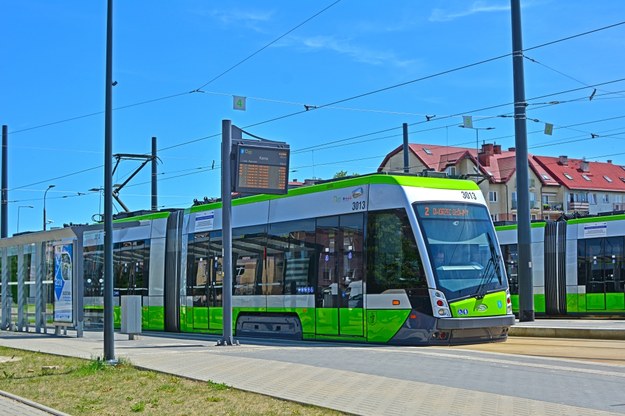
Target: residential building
(557,186)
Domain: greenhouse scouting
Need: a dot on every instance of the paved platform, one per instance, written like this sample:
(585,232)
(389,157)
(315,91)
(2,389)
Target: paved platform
(571,328)
(323,374)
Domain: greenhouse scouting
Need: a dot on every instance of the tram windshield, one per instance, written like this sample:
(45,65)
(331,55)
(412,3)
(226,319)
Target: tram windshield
(462,247)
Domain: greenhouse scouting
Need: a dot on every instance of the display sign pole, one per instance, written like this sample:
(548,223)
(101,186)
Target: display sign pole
(226,212)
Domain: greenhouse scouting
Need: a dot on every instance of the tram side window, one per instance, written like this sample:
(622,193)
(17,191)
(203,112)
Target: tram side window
(198,269)
(131,265)
(600,264)
(248,246)
(289,264)
(393,260)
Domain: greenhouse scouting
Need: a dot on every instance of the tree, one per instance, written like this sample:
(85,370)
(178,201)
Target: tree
(343,174)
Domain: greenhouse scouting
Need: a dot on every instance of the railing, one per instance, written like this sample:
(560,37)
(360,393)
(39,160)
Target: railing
(557,206)
(578,206)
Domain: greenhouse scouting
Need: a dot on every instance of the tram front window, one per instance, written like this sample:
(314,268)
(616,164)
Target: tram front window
(462,247)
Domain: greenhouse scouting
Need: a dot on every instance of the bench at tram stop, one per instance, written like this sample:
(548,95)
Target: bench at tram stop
(131,315)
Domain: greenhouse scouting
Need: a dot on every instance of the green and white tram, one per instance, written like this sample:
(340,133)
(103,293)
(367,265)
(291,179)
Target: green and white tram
(378,258)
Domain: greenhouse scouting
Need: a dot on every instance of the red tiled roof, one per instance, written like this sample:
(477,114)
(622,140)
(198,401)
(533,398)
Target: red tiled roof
(601,176)
(433,156)
(501,166)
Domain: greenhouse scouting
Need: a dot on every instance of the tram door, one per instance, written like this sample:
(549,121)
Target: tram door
(604,285)
(340,291)
(204,280)
(613,274)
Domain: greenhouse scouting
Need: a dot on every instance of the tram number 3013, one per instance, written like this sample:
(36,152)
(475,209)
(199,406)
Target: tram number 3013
(469,195)
(358,205)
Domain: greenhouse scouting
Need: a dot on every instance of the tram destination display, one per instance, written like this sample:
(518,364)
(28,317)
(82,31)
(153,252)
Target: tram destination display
(261,169)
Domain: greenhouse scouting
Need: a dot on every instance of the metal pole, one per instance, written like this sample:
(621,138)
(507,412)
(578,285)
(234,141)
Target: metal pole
(44,205)
(18,216)
(109,341)
(477,148)
(526,293)
(406,159)
(226,213)
(154,174)
(6,293)
(4,228)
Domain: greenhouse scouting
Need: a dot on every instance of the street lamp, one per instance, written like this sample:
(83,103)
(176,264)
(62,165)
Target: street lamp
(18,215)
(477,141)
(44,205)
(100,190)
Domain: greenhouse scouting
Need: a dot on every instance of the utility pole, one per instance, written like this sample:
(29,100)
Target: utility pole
(109,340)
(526,290)
(4,227)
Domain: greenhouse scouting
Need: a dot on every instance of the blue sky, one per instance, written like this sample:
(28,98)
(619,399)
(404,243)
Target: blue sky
(52,82)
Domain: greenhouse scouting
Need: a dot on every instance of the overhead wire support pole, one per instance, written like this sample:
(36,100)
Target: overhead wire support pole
(109,340)
(526,292)
(154,177)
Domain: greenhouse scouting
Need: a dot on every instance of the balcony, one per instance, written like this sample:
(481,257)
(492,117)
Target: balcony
(579,206)
(554,206)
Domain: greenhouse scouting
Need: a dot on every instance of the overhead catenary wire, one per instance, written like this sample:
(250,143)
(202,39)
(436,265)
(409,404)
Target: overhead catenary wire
(336,102)
(348,98)
(327,144)
(267,45)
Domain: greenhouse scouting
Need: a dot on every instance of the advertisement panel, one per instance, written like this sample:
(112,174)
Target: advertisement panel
(63,271)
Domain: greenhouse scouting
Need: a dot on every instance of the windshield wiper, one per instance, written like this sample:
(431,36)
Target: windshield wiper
(492,269)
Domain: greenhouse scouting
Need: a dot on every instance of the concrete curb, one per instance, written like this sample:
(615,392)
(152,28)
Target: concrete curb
(583,333)
(33,404)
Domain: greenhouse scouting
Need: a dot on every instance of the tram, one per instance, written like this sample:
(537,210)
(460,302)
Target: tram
(578,265)
(378,258)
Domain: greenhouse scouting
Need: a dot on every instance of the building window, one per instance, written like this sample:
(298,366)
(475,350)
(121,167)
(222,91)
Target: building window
(606,198)
(494,217)
(427,151)
(607,178)
(569,177)
(451,171)
(492,196)
(545,177)
(585,177)
(580,197)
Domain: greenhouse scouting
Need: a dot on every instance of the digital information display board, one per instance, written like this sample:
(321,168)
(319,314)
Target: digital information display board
(261,169)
